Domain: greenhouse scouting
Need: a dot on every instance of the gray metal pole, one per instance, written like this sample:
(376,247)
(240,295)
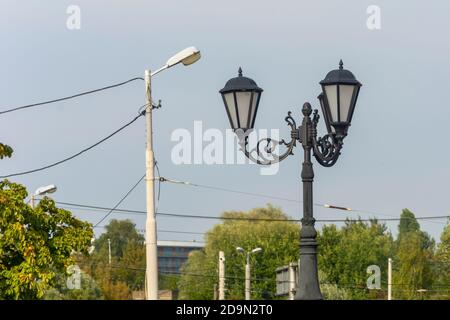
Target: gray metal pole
(150,226)
(221,275)
(247,278)
(308,281)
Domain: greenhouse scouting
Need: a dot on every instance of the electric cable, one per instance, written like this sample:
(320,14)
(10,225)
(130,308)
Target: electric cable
(69,97)
(120,201)
(75,155)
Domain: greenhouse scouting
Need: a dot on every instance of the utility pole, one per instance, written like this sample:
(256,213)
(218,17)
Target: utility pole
(389,279)
(221,275)
(32,201)
(247,269)
(292,284)
(247,278)
(109,251)
(151,243)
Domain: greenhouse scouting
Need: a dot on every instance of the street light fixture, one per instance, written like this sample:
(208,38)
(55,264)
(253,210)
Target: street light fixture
(187,57)
(340,91)
(42,191)
(241,98)
(247,270)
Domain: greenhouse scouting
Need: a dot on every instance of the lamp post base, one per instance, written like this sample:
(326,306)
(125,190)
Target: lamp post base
(308,280)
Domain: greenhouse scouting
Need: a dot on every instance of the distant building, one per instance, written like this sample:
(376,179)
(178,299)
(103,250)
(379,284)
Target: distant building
(173,254)
(287,280)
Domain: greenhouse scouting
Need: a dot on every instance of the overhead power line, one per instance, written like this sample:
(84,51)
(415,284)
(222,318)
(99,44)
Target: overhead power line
(120,201)
(163,179)
(141,212)
(69,97)
(77,154)
(329,206)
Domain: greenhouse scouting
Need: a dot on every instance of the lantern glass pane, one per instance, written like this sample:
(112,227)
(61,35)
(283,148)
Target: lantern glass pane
(330,128)
(345,100)
(331,94)
(231,109)
(253,112)
(243,102)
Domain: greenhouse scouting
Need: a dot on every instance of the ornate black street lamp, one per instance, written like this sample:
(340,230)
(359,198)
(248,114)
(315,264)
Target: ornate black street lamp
(340,91)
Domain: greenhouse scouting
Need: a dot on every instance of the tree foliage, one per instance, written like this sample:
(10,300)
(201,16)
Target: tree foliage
(127,269)
(5,151)
(278,239)
(89,290)
(413,260)
(35,244)
(442,259)
(345,254)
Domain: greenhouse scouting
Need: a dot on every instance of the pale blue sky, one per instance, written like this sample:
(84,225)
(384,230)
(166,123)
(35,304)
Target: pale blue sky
(395,156)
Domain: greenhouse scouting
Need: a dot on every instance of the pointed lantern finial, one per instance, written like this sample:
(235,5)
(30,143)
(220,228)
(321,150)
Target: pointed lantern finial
(240,72)
(341,65)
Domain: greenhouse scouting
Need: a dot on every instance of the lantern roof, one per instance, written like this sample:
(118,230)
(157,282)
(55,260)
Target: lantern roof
(340,76)
(240,83)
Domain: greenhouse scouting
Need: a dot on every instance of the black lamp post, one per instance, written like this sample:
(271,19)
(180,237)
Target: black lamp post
(340,91)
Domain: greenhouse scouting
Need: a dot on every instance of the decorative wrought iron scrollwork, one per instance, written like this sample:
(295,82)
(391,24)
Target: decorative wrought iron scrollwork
(326,149)
(264,153)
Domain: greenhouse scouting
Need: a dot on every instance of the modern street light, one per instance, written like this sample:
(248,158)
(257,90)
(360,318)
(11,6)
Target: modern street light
(186,57)
(340,91)
(247,270)
(42,191)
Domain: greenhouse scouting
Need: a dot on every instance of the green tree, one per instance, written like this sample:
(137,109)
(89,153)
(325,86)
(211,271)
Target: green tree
(413,260)
(35,244)
(131,267)
(89,289)
(121,233)
(332,291)
(278,239)
(345,254)
(127,270)
(409,224)
(5,151)
(442,260)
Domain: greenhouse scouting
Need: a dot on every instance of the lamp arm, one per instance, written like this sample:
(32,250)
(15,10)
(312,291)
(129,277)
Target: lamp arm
(326,149)
(268,145)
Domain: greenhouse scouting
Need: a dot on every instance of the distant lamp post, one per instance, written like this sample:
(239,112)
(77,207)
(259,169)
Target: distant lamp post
(42,191)
(247,270)
(340,91)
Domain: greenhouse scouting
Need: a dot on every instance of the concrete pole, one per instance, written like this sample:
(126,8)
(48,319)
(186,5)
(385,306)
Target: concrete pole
(292,285)
(150,226)
(221,275)
(109,251)
(247,278)
(389,279)
(32,201)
